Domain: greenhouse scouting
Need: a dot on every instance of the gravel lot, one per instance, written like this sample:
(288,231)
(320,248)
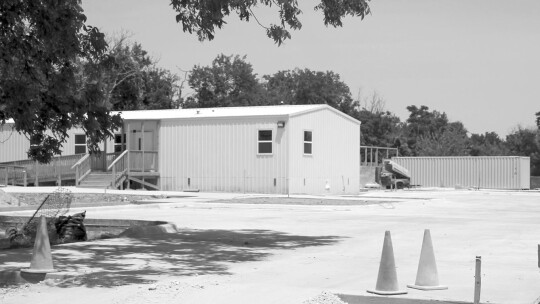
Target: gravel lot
(299,250)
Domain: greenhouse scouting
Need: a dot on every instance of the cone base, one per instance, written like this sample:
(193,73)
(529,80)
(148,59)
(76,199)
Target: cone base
(28,270)
(387,293)
(420,287)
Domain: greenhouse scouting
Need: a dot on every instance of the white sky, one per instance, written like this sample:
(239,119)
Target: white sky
(476,60)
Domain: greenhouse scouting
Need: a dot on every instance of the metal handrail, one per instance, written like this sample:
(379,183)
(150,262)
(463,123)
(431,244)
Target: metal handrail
(117,159)
(11,166)
(78,163)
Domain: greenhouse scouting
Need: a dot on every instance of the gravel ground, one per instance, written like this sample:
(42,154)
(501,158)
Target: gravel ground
(7,200)
(15,199)
(305,201)
(288,250)
(325,298)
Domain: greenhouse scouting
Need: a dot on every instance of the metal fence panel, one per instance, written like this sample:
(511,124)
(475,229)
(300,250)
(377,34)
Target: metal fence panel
(491,172)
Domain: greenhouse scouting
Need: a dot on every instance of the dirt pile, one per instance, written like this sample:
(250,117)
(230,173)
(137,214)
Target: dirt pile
(7,200)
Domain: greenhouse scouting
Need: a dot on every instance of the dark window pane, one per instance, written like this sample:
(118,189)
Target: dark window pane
(80,149)
(34,141)
(80,139)
(118,138)
(265,148)
(307,135)
(307,148)
(265,135)
(117,148)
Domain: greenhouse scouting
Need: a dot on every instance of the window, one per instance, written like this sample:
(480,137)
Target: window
(34,142)
(308,142)
(80,144)
(119,142)
(265,142)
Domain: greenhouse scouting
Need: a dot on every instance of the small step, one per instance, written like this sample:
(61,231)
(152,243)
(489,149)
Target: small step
(97,179)
(106,178)
(94,186)
(95,182)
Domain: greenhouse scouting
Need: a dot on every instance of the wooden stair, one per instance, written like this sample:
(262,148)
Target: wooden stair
(97,179)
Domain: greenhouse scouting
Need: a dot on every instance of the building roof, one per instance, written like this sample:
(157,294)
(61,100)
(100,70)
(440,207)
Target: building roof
(223,112)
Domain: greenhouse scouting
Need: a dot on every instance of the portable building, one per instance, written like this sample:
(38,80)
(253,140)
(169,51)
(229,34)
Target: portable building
(312,149)
(490,172)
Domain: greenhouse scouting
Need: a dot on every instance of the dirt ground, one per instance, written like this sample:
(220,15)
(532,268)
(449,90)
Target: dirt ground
(298,250)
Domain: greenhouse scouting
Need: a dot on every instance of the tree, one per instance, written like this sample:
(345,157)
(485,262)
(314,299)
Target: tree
(203,16)
(526,142)
(423,123)
(310,87)
(133,81)
(123,79)
(160,90)
(452,141)
(229,81)
(40,82)
(487,144)
(379,127)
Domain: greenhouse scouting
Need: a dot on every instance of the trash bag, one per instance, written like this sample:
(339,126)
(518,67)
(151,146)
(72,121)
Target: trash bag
(71,228)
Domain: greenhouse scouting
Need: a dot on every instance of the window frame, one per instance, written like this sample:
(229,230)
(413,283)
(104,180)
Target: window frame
(75,144)
(33,144)
(121,144)
(307,142)
(271,141)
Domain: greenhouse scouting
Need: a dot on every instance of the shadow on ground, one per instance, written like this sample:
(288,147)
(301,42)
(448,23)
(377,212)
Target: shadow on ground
(122,261)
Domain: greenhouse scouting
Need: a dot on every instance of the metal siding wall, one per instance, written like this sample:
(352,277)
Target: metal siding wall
(13,146)
(221,155)
(494,172)
(335,154)
(525,172)
(68,148)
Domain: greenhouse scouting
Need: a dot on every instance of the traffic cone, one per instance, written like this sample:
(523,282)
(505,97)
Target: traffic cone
(427,277)
(387,283)
(41,256)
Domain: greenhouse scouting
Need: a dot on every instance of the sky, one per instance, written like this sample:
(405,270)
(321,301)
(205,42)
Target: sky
(476,60)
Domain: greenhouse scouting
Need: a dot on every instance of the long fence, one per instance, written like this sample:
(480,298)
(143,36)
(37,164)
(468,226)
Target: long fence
(24,172)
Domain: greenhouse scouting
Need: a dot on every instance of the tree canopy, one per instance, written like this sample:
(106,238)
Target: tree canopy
(488,144)
(41,85)
(132,80)
(204,16)
(310,87)
(55,72)
(229,81)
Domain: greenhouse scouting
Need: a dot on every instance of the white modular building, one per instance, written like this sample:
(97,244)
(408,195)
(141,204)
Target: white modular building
(285,149)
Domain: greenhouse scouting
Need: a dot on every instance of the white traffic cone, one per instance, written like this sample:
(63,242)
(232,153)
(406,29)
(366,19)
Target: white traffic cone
(427,277)
(41,255)
(387,283)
